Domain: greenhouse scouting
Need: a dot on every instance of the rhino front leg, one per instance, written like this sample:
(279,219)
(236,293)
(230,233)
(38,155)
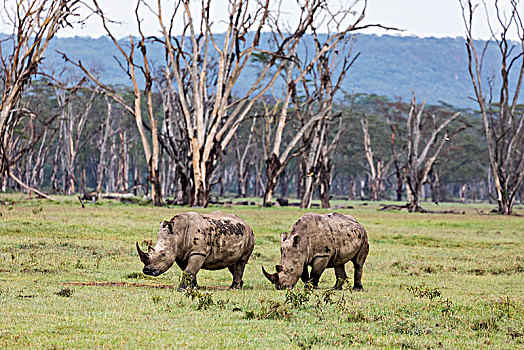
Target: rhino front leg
(358,264)
(237,271)
(317,269)
(305,275)
(194,264)
(340,274)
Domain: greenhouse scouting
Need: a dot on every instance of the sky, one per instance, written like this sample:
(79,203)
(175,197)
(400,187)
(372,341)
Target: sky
(423,18)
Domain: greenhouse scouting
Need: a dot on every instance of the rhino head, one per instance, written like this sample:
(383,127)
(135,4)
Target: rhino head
(160,258)
(293,257)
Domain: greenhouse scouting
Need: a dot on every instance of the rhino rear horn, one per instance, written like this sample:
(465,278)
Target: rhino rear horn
(273,278)
(144,257)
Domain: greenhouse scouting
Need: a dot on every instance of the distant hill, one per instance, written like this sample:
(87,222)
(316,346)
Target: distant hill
(436,69)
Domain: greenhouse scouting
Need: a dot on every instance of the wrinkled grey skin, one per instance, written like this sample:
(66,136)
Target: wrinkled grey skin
(321,241)
(212,242)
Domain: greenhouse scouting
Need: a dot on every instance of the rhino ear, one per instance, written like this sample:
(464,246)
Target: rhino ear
(168,224)
(283,236)
(279,268)
(296,240)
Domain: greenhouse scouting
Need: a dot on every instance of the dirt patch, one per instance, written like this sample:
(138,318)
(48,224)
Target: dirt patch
(120,284)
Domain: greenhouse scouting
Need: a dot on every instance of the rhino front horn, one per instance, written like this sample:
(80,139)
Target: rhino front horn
(273,278)
(144,257)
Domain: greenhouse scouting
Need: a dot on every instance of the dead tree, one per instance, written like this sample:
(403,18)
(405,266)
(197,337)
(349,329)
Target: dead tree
(377,170)
(319,88)
(34,25)
(340,24)
(203,86)
(392,111)
(427,129)
(502,115)
(105,130)
(73,120)
(242,161)
(149,137)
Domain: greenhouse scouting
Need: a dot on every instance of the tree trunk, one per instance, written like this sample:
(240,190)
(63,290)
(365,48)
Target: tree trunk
(325,186)
(101,168)
(273,171)
(413,196)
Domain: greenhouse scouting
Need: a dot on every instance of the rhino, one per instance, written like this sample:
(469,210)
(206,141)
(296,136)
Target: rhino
(211,241)
(321,241)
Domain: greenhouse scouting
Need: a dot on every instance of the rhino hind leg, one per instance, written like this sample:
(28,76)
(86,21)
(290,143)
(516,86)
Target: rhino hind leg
(340,274)
(358,264)
(237,270)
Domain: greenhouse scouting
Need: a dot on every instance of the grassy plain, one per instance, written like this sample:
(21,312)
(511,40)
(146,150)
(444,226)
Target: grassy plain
(71,278)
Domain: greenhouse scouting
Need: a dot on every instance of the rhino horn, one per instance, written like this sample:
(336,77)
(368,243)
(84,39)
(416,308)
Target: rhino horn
(144,257)
(273,278)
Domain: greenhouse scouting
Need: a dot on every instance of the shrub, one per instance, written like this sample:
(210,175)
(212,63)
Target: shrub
(65,292)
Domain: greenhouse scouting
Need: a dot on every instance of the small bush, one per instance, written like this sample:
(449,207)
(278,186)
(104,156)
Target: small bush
(410,327)
(270,310)
(65,292)
(306,341)
(356,315)
(78,264)
(205,299)
(134,275)
(485,324)
(300,298)
(505,307)
(424,292)
(37,210)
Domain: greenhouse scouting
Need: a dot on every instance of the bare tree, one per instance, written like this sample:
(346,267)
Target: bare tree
(242,161)
(339,25)
(204,86)
(130,66)
(73,120)
(319,88)
(105,128)
(503,117)
(377,170)
(34,25)
(423,128)
(392,112)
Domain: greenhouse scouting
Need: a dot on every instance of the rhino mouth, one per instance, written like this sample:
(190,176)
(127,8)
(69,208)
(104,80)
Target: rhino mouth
(151,272)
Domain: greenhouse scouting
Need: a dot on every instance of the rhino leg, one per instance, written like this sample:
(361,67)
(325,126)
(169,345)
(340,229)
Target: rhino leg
(358,264)
(237,270)
(317,269)
(305,275)
(194,264)
(187,281)
(340,274)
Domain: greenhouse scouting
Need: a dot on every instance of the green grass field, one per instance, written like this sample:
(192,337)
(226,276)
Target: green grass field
(71,278)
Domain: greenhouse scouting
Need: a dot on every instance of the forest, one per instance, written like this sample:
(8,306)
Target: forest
(174,118)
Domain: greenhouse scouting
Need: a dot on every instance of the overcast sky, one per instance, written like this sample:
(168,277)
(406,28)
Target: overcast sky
(424,18)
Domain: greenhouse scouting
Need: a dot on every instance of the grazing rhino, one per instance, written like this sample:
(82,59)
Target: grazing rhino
(321,241)
(211,242)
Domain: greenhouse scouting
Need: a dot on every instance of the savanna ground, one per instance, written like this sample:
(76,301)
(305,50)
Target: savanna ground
(71,278)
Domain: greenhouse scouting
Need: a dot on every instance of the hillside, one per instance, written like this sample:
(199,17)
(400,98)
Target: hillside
(436,69)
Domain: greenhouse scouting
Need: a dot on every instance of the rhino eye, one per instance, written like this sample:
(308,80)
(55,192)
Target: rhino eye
(291,269)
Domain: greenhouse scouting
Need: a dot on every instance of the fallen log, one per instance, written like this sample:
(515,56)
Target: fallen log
(18,181)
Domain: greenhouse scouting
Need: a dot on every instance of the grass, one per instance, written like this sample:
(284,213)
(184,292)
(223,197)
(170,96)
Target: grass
(71,278)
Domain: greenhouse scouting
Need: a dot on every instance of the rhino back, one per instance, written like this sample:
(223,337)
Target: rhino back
(333,235)
(348,235)
(228,239)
